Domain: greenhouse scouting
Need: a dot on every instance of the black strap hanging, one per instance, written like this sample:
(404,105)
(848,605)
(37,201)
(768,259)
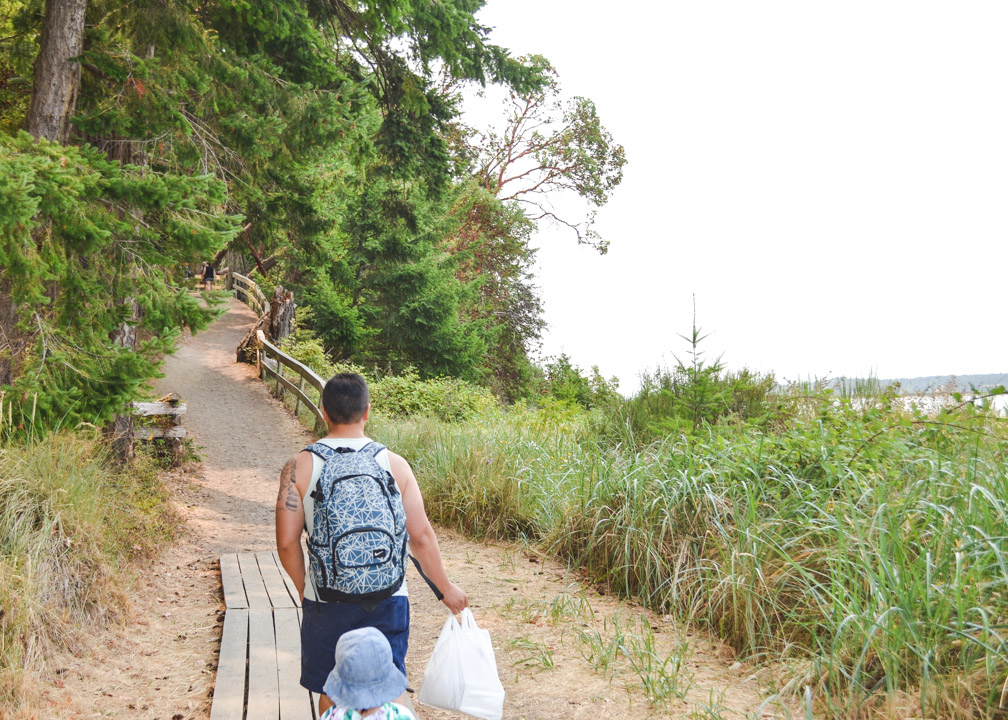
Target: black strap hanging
(437,593)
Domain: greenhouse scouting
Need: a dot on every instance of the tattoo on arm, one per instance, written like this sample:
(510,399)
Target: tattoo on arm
(289,494)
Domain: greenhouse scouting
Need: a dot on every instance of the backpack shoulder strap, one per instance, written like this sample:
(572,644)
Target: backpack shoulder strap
(326,451)
(321,449)
(373,448)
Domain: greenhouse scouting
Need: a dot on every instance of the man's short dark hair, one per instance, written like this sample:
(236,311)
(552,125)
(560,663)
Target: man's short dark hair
(345,398)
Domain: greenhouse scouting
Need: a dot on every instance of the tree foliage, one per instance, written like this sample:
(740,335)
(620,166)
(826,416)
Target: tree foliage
(310,137)
(79,234)
(490,243)
(688,399)
(548,147)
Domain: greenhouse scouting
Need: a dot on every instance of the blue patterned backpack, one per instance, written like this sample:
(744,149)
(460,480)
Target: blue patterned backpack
(357,544)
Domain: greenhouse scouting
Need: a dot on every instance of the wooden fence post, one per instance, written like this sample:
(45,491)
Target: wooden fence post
(297,404)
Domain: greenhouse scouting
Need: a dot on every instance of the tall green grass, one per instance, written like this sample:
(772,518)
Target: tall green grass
(865,547)
(69,522)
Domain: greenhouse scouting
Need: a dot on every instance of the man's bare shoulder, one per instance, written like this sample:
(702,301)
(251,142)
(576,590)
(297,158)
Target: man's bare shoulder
(397,459)
(401,470)
(292,484)
(300,466)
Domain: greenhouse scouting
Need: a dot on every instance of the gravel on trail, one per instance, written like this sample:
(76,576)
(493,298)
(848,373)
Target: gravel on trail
(159,662)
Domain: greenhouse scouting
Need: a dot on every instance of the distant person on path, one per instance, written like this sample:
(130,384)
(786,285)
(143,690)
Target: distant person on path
(341,590)
(365,681)
(208,276)
(188,272)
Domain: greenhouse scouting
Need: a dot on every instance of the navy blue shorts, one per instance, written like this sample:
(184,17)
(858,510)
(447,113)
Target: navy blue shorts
(323,623)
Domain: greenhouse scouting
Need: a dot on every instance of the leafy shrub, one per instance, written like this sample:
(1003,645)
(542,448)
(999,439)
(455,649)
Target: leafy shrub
(447,399)
(672,403)
(305,347)
(685,400)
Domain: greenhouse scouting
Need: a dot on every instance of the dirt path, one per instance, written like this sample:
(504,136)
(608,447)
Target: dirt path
(548,628)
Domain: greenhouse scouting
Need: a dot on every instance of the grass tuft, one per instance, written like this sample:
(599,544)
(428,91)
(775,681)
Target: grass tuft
(859,544)
(69,523)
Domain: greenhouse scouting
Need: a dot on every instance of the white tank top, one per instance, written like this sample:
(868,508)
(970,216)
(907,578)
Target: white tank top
(309,503)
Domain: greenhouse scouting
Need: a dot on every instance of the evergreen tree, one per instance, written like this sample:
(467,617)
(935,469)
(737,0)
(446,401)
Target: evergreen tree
(383,286)
(78,235)
(305,135)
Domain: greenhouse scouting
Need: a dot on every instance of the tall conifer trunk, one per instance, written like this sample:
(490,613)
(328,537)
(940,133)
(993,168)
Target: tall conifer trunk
(120,429)
(53,100)
(11,341)
(57,77)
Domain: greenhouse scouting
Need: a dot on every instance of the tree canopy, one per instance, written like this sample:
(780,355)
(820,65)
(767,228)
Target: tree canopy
(311,139)
(548,147)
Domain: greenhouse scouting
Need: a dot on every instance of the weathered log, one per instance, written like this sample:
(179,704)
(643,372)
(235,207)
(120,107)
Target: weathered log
(157,408)
(219,256)
(281,314)
(120,429)
(170,405)
(170,433)
(267,264)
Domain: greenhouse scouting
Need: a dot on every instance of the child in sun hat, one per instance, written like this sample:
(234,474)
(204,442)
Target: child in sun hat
(365,681)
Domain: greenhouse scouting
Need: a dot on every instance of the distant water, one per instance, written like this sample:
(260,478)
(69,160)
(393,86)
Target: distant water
(932,404)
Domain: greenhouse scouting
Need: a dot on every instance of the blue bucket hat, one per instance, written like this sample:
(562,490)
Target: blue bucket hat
(364,676)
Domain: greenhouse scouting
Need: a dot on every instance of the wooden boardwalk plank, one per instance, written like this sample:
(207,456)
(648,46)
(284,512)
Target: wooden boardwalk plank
(259,667)
(234,590)
(229,687)
(255,588)
(295,702)
(264,693)
(291,588)
(273,579)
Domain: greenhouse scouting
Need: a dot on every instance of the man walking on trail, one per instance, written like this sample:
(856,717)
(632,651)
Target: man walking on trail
(346,407)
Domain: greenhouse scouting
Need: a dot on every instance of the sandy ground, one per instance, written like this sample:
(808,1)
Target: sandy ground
(160,662)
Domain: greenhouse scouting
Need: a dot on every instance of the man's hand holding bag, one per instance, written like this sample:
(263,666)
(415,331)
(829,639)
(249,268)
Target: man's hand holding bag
(462,671)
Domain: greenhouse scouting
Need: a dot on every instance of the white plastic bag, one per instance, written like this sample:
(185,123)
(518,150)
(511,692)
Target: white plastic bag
(462,671)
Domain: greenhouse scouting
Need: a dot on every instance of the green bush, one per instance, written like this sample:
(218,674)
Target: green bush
(565,382)
(688,399)
(685,401)
(305,347)
(447,399)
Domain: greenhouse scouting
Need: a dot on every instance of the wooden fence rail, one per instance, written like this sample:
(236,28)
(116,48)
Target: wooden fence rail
(249,293)
(272,360)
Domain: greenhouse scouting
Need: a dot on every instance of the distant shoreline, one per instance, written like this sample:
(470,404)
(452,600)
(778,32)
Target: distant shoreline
(930,384)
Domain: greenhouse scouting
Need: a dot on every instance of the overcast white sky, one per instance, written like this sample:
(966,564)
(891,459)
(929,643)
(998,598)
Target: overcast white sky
(829,179)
